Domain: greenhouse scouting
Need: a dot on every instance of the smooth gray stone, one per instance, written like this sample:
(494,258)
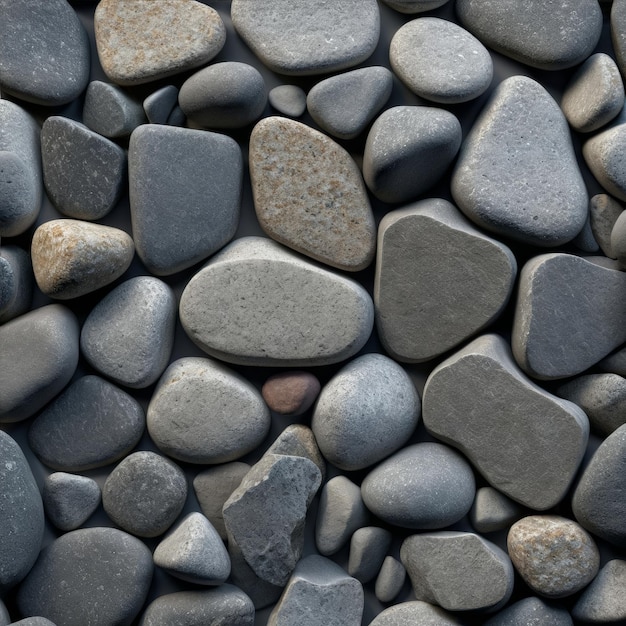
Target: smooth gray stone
(482,576)
(193,551)
(414,6)
(440,61)
(129,335)
(91,424)
(368,410)
(438,280)
(203,412)
(44,51)
(585,241)
(618,240)
(185,195)
(70,499)
(478,401)
(603,154)
(603,213)
(224,96)
(368,548)
(341,512)
(84,173)
(177,117)
(570,313)
(158,106)
(279,489)
(214,607)
(597,503)
(72,258)
(33,621)
(544,35)
(38,358)
(144,494)
(425,486)
(554,555)
(309,194)
(615,363)
(19,282)
(411,613)
(304,37)
(319,593)
(299,440)
(21,180)
(390,580)
(21,514)
(517,173)
(110,111)
(5,618)
(493,511)
(288,99)
(343,105)
(408,150)
(618,33)
(531,612)
(603,602)
(87,568)
(594,95)
(294,314)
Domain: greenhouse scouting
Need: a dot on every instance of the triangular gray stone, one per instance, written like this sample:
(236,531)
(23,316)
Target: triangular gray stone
(70,499)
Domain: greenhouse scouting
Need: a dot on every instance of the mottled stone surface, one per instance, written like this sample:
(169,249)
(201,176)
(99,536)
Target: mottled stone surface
(603,601)
(299,440)
(291,392)
(69,499)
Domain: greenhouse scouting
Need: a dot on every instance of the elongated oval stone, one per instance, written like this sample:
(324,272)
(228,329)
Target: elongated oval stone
(257,303)
(517,174)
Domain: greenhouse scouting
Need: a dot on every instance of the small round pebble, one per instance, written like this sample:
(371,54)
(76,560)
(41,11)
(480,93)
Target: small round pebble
(69,499)
(288,99)
(291,393)
(390,579)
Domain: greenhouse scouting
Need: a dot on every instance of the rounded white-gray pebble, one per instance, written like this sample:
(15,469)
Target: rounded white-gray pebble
(288,99)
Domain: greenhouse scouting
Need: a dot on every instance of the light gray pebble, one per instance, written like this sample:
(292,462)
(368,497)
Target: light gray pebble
(531,612)
(493,511)
(603,213)
(603,601)
(288,99)
(414,6)
(343,105)
(69,499)
(17,281)
(299,440)
(390,580)
(603,154)
(158,106)
(415,612)
(618,33)
(618,240)
(368,548)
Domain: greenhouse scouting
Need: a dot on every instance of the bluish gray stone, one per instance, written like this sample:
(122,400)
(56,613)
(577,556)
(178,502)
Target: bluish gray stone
(18,284)
(185,195)
(585,240)
(603,602)
(91,424)
(84,173)
(38,358)
(303,37)
(128,336)
(531,612)
(390,580)
(5,618)
(7,284)
(70,499)
(615,363)
(368,548)
(493,511)
(414,6)
(603,213)
(88,568)
(177,117)
(49,40)
(343,105)
(603,154)
(517,174)
(158,106)
(288,99)
(415,612)
(404,141)
(299,440)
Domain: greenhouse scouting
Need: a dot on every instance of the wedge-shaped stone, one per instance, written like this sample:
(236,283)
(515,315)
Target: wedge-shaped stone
(256,303)
(517,174)
(70,499)
(438,280)
(309,194)
(524,441)
(299,440)
(570,313)
(493,511)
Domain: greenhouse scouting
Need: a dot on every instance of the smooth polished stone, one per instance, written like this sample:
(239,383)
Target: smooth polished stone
(414,612)
(618,33)
(603,213)
(69,499)
(19,282)
(414,6)
(618,240)
(291,392)
(368,547)
(158,106)
(603,601)
(603,154)
(288,99)
(390,580)
(493,511)
(531,611)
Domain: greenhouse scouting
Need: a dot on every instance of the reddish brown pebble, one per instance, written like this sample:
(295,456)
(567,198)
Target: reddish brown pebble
(291,393)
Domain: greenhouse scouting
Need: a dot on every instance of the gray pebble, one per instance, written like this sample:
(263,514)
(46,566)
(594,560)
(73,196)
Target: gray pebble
(416,612)
(288,99)
(531,612)
(306,37)
(618,240)
(274,308)
(493,511)
(158,106)
(543,35)
(517,174)
(84,173)
(390,580)
(319,593)
(7,284)
(618,33)
(299,440)
(345,104)
(603,601)
(615,363)
(585,241)
(368,410)
(177,117)
(91,424)
(463,398)
(185,195)
(368,548)
(18,284)
(33,621)
(203,412)
(49,40)
(481,579)
(128,336)
(603,154)
(224,96)
(405,140)
(414,6)
(38,358)
(440,61)
(88,568)
(424,486)
(603,213)
(144,494)
(554,555)
(70,499)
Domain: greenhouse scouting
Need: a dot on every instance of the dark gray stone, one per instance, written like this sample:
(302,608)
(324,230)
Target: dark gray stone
(83,172)
(585,241)
(7,284)
(49,40)
(38,358)
(5,618)
(603,154)
(517,174)
(390,580)
(618,34)
(493,511)
(185,194)
(299,440)
(531,612)
(69,499)
(177,117)
(144,494)
(17,282)
(368,548)
(158,106)
(603,213)
(615,363)
(416,612)
(288,99)
(93,423)
(89,576)
(603,601)
(291,393)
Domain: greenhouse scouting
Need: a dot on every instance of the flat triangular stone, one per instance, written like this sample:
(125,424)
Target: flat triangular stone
(517,174)
(570,313)
(70,499)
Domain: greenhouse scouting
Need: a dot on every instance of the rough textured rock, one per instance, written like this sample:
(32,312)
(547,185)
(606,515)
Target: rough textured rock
(158,106)
(390,579)
(603,213)
(532,612)
(17,282)
(299,440)
(288,99)
(603,155)
(368,548)
(291,392)
(493,511)
(416,612)
(70,499)
(603,601)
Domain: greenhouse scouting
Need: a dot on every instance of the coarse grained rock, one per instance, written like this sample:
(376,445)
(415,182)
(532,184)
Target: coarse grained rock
(70,499)
(299,440)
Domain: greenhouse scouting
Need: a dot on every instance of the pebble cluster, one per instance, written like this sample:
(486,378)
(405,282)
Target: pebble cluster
(312,313)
